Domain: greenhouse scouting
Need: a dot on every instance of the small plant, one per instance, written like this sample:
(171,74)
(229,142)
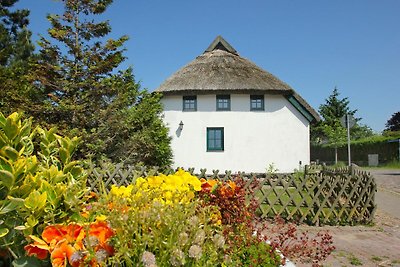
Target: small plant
(298,247)
(376,258)
(271,169)
(354,260)
(237,206)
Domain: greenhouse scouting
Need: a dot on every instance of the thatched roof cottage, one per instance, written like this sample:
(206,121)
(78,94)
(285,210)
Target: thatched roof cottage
(225,112)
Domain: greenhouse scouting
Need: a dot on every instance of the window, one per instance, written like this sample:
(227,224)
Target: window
(223,102)
(189,103)
(257,102)
(215,139)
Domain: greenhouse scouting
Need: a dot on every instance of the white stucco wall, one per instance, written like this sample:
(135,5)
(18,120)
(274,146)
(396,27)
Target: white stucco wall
(252,139)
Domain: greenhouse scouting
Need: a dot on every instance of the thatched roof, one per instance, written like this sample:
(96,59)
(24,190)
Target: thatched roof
(220,69)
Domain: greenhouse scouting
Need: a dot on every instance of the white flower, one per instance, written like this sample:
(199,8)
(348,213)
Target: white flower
(148,259)
(199,237)
(219,240)
(195,252)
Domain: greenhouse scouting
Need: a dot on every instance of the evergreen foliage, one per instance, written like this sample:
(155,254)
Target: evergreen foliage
(393,124)
(85,93)
(16,51)
(331,111)
(15,39)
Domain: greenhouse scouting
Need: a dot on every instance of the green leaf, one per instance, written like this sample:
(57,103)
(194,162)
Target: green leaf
(10,152)
(7,178)
(26,128)
(2,120)
(26,262)
(35,200)
(31,221)
(3,232)
(5,164)
(51,194)
(10,205)
(28,145)
(11,127)
(3,139)
(69,166)
(64,155)
(76,171)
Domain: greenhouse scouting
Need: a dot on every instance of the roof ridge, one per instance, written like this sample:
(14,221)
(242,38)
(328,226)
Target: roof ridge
(221,44)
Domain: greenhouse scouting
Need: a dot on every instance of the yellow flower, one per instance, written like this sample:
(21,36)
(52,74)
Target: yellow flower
(155,181)
(101,218)
(122,191)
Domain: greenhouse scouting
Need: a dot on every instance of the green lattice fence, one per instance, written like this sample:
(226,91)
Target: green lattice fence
(323,197)
(319,196)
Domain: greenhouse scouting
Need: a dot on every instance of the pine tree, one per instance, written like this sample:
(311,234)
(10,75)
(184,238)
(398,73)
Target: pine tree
(86,94)
(335,108)
(331,112)
(16,51)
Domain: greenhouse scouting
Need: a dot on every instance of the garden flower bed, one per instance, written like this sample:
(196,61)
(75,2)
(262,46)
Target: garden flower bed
(48,217)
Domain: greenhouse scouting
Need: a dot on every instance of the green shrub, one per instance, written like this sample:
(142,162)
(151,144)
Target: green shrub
(39,183)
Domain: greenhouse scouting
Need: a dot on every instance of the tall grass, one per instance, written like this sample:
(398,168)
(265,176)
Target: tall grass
(392,165)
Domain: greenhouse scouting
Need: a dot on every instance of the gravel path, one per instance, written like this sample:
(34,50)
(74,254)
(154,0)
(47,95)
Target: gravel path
(377,245)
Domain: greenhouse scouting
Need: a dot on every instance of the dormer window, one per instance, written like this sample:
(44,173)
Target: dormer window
(189,103)
(224,102)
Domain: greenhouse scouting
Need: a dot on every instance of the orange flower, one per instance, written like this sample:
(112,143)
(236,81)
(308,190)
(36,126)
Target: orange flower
(208,185)
(62,252)
(65,243)
(103,232)
(232,185)
(54,233)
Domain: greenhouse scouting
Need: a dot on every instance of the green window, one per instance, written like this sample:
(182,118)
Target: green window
(215,139)
(257,102)
(223,102)
(189,103)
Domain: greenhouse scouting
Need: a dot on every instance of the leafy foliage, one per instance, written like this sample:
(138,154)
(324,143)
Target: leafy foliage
(335,108)
(16,51)
(86,95)
(15,40)
(336,135)
(393,124)
(252,241)
(331,112)
(300,247)
(40,183)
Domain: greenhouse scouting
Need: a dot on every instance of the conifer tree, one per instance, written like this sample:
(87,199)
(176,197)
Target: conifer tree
(331,112)
(88,95)
(15,39)
(16,51)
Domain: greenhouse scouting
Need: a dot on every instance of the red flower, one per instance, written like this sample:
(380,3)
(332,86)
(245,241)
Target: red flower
(36,250)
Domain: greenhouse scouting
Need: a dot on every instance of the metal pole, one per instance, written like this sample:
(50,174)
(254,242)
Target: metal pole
(348,138)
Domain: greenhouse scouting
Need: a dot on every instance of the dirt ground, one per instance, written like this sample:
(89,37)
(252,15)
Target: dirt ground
(376,245)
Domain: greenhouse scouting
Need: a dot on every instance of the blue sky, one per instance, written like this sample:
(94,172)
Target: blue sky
(313,45)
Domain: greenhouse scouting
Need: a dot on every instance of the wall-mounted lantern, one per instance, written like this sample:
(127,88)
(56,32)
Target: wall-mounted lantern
(181,125)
